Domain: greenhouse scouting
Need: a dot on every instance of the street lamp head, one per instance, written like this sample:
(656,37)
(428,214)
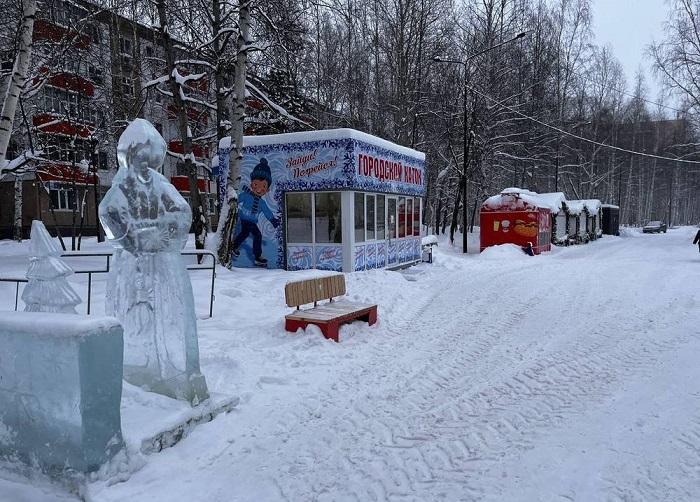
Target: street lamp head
(521,35)
(437,59)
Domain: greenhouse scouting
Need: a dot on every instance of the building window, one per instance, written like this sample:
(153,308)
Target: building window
(125,46)
(409,217)
(359,217)
(327,218)
(62,199)
(381,218)
(94,74)
(68,103)
(391,217)
(299,218)
(402,217)
(127,86)
(65,149)
(103,162)
(369,206)
(416,216)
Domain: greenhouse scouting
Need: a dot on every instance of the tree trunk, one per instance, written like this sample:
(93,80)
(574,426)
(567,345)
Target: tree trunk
(229,211)
(18,208)
(199,222)
(455,213)
(19,77)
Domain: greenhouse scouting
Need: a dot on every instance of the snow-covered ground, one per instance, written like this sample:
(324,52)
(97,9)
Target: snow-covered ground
(568,376)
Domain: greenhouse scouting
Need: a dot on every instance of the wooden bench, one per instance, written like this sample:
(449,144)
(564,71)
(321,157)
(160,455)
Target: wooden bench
(328,316)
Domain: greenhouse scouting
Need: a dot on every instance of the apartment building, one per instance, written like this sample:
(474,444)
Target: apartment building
(88,78)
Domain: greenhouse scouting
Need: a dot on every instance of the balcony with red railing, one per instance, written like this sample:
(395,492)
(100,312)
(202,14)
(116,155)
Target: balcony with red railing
(45,30)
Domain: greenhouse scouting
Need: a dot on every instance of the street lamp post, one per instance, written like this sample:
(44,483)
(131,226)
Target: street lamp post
(468,134)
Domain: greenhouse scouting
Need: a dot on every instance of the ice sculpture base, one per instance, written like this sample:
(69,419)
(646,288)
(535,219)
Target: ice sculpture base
(192,388)
(152,422)
(60,390)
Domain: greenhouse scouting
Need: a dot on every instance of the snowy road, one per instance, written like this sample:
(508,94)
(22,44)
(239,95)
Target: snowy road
(569,376)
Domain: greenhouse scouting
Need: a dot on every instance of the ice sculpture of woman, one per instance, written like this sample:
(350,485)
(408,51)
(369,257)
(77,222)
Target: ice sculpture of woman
(149,289)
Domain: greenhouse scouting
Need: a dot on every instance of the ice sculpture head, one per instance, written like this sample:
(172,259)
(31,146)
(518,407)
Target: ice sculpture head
(141,147)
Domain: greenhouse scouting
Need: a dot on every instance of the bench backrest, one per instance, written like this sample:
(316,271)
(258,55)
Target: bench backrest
(312,290)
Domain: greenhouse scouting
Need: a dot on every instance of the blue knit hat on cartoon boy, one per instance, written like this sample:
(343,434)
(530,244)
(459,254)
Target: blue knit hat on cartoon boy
(262,172)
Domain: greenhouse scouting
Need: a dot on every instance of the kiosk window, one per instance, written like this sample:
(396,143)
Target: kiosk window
(327,215)
(416,216)
(409,217)
(391,217)
(381,218)
(299,218)
(369,201)
(359,217)
(402,217)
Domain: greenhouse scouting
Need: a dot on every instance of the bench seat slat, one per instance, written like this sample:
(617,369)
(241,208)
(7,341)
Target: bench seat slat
(330,311)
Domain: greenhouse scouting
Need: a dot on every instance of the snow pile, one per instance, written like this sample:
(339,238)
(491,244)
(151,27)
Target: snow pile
(630,232)
(429,240)
(503,252)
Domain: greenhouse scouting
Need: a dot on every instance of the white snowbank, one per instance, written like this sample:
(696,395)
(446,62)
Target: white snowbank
(503,252)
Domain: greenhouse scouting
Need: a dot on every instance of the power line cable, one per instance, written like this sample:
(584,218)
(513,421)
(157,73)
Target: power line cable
(567,133)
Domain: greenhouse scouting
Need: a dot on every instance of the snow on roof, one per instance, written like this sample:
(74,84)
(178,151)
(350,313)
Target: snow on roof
(577,206)
(330,134)
(574,206)
(516,197)
(611,206)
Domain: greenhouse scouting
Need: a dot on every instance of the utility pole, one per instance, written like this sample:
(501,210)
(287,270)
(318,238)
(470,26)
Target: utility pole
(466,131)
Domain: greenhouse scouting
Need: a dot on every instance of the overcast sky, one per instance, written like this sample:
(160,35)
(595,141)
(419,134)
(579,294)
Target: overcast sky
(629,26)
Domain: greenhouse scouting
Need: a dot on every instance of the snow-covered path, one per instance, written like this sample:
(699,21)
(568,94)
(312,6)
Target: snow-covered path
(569,376)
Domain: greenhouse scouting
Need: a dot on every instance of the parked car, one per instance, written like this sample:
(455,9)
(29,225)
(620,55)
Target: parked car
(654,227)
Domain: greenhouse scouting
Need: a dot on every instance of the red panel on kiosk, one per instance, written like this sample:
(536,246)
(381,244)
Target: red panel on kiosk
(511,220)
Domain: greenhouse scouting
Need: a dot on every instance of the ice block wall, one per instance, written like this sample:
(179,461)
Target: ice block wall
(60,389)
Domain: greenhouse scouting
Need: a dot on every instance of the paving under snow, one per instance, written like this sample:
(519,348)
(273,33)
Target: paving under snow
(569,376)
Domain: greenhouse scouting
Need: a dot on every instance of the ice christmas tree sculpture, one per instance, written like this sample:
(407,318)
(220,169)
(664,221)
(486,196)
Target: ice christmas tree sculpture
(149,289)
(47,289)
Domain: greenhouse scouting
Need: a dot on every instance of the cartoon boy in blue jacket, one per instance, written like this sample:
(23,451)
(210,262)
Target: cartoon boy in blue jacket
(250,205)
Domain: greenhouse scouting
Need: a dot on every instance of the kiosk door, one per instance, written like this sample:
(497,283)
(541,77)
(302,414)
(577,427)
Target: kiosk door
(392,255)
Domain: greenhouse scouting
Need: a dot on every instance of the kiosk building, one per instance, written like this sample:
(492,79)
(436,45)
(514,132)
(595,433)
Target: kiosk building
(335,199)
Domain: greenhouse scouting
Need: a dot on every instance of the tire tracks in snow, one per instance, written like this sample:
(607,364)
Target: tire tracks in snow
(439,408)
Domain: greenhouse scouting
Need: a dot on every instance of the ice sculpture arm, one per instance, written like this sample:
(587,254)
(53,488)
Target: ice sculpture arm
(114,218)
(178,215)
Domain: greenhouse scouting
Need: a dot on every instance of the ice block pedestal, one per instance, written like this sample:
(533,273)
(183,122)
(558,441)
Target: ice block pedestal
(60,390)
